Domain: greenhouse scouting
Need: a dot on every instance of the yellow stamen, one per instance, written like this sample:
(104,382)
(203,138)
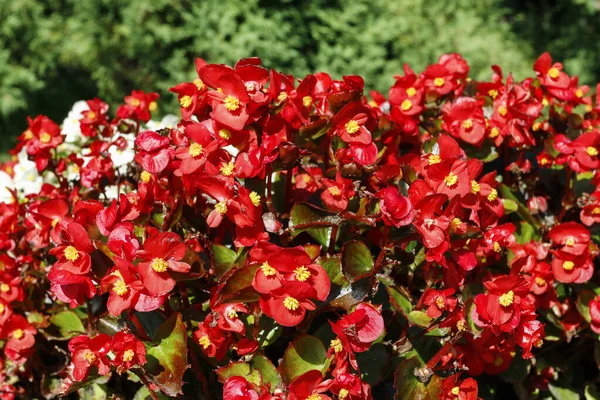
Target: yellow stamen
(568,265)
(225,134)
(467,123)
(159,265)
(475,187)
(434,159)
(411,91)
(502,110)
(232,314)
(28,134)
(570,242)
(440,302)
(221,207)
(439,82)
(406,105)
(120,287)
(507,298)
(344,392)
(89,357)
(71,253)
(494,132)
(536,126)
(307,101)
(579,93)
(493,93)
(336,345)
(592,151)
(352,127)
(128,355)
(267,269)
(553,73)
(291,303)
(45,137)
(255,198)
(145,176)
(455,223)
(314,396)
(4,288)
(497,247)
(493,195)
(540,281)
(302,273)
(152,106)
(455,390)
(451,179)
(227,169)
(18,334)
(335,191)
(205,342)
(195,149)
(185,101)
(231,103)
(199,84)
(135,102)
(282,97)
(460,325)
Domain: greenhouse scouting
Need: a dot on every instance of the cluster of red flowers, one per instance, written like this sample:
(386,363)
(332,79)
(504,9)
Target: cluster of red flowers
(301,240)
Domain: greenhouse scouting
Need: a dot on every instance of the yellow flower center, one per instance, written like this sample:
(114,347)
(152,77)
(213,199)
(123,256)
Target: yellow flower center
(221,207)
(145,176)
(439,82)
(91,115)
(307,101)
(227,169)
(540,281)
(456,222)
(185,101)
(497,247)
(493,195)
(592,151)
(475,187)
(553,73)
(507,298)
(596,210)
(344,392)
(352,127)
(440,302)
(406,105)
(570,242)
(544,161)
(434,159)
(282,96)
(45,137)
(502,110)
(89,357)
(28,134)
(255,198)
(159,265)
(2,308)
(267,269)
(336,345)
(536,126)
(335,191)
(71,253)
(579,93)
(493,93)
(302,273)
(538,343)
(18,334)
(455,390)
(494,132)
(120,287)
(314,396)
(545,102)
(135,102)
(4,288)
(225,134)
(451,179)
(199,84)
(411,91)
(195,149)
(152,106)
(231,103)
(460,325)
(568,265)
(232,314)
(128,355)
(291,303)
(467,123)
(204,341)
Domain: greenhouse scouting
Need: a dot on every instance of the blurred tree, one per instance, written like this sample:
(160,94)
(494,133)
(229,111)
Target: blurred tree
(54,52)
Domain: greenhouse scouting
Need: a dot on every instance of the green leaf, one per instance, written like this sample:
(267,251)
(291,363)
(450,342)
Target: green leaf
(316,222)
(333,266)
(400,300)
(223,259)
(68,324)
(374,364)
(419,318)
(167,361)
(409,386)
(582,304)
(525,233)
(302,355)
(240,281)
(357,261)
(562,393)
(510,206)
(270,375)
(239,368)
(522,211)
(268,332)
(591,393)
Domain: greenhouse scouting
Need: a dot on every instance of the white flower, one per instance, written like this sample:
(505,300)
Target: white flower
(27,180)
(169,121)
(6,183)
(70,125)
(121,158)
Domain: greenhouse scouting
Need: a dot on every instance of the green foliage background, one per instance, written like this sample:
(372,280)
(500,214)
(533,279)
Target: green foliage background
(54,52)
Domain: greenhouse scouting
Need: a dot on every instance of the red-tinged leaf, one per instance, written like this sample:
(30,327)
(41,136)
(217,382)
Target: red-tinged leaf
(357,261)
(304,354)
(270,375)
(239,369)
(167,360)
(240,280)
(410,386)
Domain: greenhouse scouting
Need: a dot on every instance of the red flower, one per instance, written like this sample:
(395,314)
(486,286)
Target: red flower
(336,193)
(229,102)
(138,106)
(571,268)
(19,336)
(438,301)
(309,385)
(464,119)
(357,330)
(162,252)
(354,123)
(552,77)
(288,304)
(453,389)
(227,317)
(573,237)
(396,209)
(499,307)
(238,388)
(594,306)
(438,79)
(73,252)
(201,144)
(123,286)
(89,353)
(128,351)
(155,152)
(212,341)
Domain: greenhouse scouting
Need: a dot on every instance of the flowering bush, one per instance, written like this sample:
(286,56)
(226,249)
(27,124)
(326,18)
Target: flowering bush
(303,241)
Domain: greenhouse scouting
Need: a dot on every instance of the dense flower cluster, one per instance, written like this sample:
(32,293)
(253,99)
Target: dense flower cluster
(297,239)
